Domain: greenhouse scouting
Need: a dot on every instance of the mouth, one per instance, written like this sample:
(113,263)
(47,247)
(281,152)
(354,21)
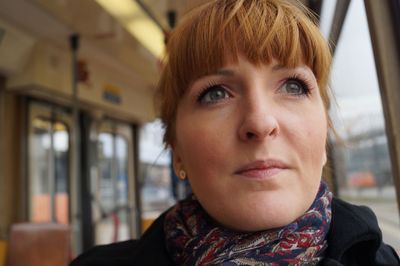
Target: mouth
(262,169)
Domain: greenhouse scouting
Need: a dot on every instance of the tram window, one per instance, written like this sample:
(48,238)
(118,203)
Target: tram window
(105,167)
(61,161)
(362,166)
(111,200)
(121,146)
(122,170)
(39,187)
(155,173)
(49,171)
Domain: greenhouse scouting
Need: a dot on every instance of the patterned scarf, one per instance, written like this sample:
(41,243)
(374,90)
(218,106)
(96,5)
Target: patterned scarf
(192,238)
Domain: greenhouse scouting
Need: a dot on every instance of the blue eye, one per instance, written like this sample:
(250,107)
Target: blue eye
(295,87)
(213,94)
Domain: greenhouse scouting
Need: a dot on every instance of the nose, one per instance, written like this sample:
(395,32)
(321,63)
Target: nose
(259,122)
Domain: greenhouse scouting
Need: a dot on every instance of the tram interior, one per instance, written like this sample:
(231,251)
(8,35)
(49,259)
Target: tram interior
(81,152)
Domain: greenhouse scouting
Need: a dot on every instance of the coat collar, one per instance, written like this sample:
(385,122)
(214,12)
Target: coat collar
(352,226)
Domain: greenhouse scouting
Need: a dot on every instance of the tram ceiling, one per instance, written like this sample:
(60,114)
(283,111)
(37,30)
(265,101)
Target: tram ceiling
(100,29)
(101,35)
(160,11)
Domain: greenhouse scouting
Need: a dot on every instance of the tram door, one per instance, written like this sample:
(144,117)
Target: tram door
(48,163)
(114,208)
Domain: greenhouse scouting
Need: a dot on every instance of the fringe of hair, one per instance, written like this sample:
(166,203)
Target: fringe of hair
(217,32)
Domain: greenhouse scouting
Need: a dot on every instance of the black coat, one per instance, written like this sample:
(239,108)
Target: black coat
(354,239)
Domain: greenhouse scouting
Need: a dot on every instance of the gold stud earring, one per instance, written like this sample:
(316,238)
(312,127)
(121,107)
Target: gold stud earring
(182,174)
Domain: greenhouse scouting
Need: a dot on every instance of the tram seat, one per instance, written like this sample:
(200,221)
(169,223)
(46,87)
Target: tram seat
(34,244)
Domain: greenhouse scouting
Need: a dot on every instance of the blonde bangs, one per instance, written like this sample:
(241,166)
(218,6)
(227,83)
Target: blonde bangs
(221,30)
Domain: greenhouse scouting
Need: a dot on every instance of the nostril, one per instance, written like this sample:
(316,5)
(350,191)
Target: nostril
(250,135)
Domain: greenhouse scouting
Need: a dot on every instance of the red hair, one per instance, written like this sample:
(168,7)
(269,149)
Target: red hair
(217,31)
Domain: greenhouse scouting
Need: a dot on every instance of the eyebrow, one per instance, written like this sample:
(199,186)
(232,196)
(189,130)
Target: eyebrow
(278,67)
(225,72)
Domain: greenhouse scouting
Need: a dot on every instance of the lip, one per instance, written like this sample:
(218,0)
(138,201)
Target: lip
(262,169)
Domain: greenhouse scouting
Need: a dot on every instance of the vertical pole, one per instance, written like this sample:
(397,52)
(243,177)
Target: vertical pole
(6,208)
(75,187)
(137,207)
(51,173)
(339,16)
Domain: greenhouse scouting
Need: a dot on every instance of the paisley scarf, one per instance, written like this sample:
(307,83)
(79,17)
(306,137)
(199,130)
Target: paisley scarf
(193,238)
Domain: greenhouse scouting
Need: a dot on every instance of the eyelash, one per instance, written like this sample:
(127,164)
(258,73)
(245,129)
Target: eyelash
(304,82)
(203,92)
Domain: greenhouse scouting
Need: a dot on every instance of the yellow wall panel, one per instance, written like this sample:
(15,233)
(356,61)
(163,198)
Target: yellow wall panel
(3,247)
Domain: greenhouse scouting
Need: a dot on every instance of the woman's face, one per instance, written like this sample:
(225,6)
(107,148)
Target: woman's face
(252,142)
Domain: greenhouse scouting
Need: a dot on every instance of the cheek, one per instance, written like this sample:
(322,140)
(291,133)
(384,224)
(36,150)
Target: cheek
(316,149)
(307,135)
(201,149)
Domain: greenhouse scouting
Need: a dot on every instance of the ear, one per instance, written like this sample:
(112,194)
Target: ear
(324,159)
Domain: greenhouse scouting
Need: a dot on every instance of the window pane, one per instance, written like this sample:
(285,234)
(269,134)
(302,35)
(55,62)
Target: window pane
(39,158)
(105,156)
(121,146)
(49,171)
(61,161)
(111,204)
(362,165)
(155,175)
(105,197)
(122,170)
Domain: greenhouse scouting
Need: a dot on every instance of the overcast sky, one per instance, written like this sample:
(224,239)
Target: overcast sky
(354,81)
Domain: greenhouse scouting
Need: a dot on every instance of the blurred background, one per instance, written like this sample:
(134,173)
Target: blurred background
(82,161)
